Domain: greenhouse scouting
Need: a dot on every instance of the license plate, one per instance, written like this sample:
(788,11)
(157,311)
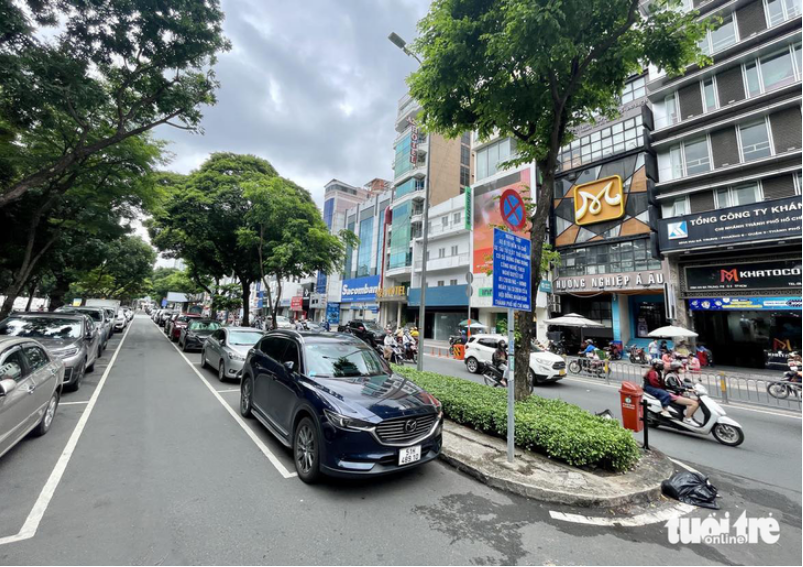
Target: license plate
(562,373)
(409,455)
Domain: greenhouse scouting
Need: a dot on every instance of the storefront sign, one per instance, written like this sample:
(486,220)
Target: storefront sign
(359,289)
(599,201)
(317,300)
(745,304)
(546,286)
(771,220)
(467,210)
(784,274)
(485,292)
(333,313)
(413,141)
(649,279)
(393,293)
(297,303)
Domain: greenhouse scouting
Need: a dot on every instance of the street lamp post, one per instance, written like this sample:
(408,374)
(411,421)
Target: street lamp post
(401,44)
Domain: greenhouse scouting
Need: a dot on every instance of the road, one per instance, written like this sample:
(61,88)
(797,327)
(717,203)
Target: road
(149,464)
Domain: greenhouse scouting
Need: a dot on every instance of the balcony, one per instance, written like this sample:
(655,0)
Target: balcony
(439,231)
(445,263)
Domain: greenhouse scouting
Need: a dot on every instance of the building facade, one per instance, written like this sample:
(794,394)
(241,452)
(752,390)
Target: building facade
(727,198)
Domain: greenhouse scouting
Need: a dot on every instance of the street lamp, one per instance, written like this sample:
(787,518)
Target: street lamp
(401,44)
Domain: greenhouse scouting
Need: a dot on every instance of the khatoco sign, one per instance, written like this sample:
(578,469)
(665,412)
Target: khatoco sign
(778,274)
(771,220)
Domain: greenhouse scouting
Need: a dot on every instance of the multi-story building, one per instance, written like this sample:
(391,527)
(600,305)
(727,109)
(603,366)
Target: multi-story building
(728,143)
(450,172)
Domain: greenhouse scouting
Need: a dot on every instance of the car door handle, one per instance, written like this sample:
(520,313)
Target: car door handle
(30,389)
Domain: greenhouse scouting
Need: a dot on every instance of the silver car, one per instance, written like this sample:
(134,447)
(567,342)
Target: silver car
(30,387)
(99,318)
(72,338)
(225,350)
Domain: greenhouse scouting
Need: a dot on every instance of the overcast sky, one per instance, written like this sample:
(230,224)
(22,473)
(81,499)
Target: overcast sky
(311,86)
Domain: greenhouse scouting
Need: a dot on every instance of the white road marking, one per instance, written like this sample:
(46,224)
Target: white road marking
(228,391)
(72,403)
(257,441)
(644,519)
(684,466)
(40,506)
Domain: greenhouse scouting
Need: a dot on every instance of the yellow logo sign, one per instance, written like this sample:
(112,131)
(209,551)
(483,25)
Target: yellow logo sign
(599,201)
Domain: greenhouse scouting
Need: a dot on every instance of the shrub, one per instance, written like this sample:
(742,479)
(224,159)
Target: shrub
(551,427)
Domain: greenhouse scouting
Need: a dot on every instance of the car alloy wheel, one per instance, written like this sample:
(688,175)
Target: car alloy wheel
(47,417)
(245,397)
(472,365)
(221,372)
(203,358)
(305,451)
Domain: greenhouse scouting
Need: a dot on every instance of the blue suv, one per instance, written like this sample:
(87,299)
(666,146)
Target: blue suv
(338,405)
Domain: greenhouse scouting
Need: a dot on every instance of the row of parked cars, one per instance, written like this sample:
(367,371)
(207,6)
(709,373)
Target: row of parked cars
(44,354)
(328,397)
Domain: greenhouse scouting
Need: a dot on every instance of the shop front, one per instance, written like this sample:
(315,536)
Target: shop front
(446,307)
(358,299)
(746,311)
(392,300)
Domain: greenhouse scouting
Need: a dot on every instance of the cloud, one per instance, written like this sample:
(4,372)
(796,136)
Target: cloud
(311,86)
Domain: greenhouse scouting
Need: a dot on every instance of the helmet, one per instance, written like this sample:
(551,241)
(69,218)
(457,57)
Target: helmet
(657,364)
(676,366)
(502,344)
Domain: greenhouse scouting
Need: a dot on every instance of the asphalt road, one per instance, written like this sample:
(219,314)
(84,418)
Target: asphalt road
(155,469)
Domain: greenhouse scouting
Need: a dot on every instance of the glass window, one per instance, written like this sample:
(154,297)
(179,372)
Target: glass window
(444,222)
(779,11)
(364,252)
(457,217)
(36,357)
(755,140)
(777,70)
(400,236)
(709,95)
(342,360)
(244,338)
(452,282)
(675,207)
(41,327)
(402,163)
(454,250)
(745,194)
(12,367)
(751,78)
(697,159)
(724,36)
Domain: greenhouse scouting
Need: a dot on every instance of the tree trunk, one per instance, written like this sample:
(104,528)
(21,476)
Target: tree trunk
(31,293)
(246,285)
(59,291)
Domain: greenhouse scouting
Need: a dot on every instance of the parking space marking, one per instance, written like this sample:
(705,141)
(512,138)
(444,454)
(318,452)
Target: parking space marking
(43,501)
(73,403)
(228,391)
(248,431)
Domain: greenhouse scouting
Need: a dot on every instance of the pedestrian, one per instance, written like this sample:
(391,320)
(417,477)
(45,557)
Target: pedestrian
(654,349)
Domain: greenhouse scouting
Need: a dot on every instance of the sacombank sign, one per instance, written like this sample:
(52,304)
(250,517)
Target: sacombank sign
(359,289)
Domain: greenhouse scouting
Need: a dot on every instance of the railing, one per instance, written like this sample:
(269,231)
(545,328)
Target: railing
(725,387)
(445,263)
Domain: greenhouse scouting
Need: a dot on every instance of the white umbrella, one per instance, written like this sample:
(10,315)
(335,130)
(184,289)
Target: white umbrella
(572,320)
(474,325)
(671,332)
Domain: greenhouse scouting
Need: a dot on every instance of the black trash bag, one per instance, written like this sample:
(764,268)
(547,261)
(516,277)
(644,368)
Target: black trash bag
(691,488)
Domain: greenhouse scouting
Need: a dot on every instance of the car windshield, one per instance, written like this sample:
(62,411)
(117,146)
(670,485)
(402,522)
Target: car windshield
(204,326)
(243,338)
(95,314)
(282,319)
(371,326)
(41,328)
(342,360)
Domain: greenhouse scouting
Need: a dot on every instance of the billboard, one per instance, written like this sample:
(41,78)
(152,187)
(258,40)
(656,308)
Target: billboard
(775,274)
(487,215)
(359,289)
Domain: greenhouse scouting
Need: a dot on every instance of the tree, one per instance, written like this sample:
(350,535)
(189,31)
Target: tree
(165,280)
(286,230)
(203,216)
(124,273)
(534,69)
(118,69)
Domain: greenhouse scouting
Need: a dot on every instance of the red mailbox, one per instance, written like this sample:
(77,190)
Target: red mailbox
(632,410)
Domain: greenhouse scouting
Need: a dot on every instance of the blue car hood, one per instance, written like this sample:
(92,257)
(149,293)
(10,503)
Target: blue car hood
(373,397)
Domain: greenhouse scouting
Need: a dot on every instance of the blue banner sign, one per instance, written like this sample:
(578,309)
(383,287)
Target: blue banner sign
(511,275)
(745,304)
(360,290)
(333,313)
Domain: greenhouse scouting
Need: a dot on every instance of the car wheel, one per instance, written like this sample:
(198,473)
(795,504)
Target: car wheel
(306,451)
(91,367)
(203,358)
(246,389)
(533,380)
(79,377)
(472,365)
(47,419)
(221,372)
(183,345)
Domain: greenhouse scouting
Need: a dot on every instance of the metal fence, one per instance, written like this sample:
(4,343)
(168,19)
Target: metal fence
(725,387)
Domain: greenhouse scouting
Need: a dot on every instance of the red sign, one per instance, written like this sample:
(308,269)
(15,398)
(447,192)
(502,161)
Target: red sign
(514,214)
(413,141)
(297,303)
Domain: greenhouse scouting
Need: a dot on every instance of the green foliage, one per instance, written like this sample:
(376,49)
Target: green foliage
(228,298)
(165,280)
(123,274)
(554,428)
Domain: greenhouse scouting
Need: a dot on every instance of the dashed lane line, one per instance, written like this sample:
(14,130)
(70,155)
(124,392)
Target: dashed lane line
(240,421)
(43,501)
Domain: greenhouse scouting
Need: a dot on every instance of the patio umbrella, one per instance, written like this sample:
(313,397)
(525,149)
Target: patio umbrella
(474,324)
(572,320)
(671,332)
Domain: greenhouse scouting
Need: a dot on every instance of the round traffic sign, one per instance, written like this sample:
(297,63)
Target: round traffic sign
(514,213)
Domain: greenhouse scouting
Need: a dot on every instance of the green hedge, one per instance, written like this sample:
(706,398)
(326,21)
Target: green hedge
(552,427)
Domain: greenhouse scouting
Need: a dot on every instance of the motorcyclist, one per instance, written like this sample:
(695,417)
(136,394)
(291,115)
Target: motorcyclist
(674,384)
(407,342)
(389,343)
(794,363)
(589,349)
(499,358)
(654,385)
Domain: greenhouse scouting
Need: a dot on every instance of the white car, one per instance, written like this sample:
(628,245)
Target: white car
(544,366)
(120,321)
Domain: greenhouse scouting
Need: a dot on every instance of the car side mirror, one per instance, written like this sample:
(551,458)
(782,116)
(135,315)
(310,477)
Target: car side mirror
(7,386)
(290,365)
(89,336)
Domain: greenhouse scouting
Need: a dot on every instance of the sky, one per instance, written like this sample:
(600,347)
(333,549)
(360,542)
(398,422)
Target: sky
(312,86)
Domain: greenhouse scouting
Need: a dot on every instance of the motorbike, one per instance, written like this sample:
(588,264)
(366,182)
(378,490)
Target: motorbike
(613,352)
(410,353)
(396,353)
(593,367)
(781,389)
(557,347)
(638,355)
(495,377)
(715,422)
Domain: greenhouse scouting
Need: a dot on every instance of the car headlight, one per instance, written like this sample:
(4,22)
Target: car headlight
(236,356)
(67,353)
(343,422)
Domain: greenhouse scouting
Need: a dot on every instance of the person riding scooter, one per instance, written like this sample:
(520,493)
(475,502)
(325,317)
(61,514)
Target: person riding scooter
(677,388)
(654,385)
(499,359)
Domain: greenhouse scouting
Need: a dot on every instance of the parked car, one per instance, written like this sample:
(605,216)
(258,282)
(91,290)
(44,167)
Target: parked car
(30,388)
(225,350)
(368,331)
(168,321)
(338,405)
(163,316)
(120,320)
(98,316)
(173,328)
(72,338)
(194,335)
(544,365)
(282,322)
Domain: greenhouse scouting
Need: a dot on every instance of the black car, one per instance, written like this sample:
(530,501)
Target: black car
(193,335)
(368,331)
(339,406)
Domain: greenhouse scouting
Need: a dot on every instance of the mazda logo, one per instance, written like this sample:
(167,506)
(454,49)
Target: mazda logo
(410,425)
